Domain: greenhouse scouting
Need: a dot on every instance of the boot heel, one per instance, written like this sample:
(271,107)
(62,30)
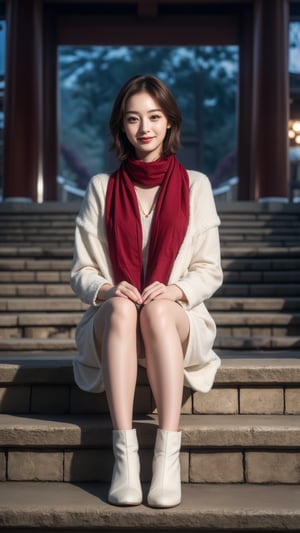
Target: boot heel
(126,486)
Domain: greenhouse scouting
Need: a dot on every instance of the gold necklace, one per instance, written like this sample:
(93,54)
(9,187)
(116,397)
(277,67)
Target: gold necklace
(146,215)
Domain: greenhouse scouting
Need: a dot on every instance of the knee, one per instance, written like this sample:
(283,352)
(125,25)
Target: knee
(155,316)
(121,312)
(122,307)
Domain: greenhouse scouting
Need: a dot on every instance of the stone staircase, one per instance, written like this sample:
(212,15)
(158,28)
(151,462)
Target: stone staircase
(240,455)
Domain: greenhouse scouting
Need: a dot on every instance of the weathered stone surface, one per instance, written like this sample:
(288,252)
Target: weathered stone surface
(292,401)
(245,343)
(35,466)
(87,402)
(60,430)
(50,399)
(142,400)
(256,319)
(97,465)
(223,507)
(255,368)
(49,319)
(217,400)
(17,277)
(59,332)
(48,277)
(88,465)
(236,304)
(241,430)
(24,344)
(58,290)
(198,431)
(273,467)
(15,399)
(187,401)
(43,304)
(54,367)
(10,333)
(255,400)
(222,467)
(8,320)
(247,368)
(2,466)
(286,342)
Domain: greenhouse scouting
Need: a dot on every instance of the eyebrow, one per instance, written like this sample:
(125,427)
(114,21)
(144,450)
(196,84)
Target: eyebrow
(136,112)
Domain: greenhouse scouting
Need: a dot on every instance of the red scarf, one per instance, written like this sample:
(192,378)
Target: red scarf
(123,223)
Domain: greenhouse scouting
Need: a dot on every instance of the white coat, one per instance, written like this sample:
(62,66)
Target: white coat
(196,270)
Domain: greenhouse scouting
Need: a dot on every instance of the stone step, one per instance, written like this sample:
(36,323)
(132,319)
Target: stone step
(240,240)
(54,236)
(260,264)
(64,340)
(35,276)
(65,507)
(215,448)
(36,345)
(38,283)
(243,304)
(46,304)
(236,264)
(255,342)
(251,212)
(28,252)
(241,286)
(35,289)
(19,232)
(221,318)
(256,319)
(40,319)
(251,216)
(238,304)
(258,251)
(223,342)
(259,289)
(63,325)
(228,220)
(251,383)
(31,263)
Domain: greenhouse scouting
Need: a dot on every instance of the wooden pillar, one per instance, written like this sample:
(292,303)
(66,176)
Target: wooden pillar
(245,115)
(23,101)
(269,139)
(50,120)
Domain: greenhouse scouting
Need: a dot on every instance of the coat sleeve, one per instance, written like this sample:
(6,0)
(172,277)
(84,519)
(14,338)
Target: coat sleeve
(203,275)
(89,269)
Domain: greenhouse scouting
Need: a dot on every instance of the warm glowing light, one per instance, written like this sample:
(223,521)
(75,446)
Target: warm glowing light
(297,139)
(296,126)
(292,134)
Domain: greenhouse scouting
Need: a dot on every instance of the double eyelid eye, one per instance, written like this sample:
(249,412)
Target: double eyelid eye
(132,119)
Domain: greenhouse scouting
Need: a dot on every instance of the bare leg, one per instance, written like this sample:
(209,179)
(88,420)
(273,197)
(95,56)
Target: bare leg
(115,335)
(165,329)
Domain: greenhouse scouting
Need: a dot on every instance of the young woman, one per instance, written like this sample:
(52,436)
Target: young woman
(146,257)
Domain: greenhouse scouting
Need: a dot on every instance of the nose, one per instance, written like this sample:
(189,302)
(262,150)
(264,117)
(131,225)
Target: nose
(144,125)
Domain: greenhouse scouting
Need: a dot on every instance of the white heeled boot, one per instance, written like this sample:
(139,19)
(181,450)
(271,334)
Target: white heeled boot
(126,486)
(165,488)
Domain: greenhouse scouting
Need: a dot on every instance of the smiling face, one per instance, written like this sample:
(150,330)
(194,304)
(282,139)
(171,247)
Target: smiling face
(145,126)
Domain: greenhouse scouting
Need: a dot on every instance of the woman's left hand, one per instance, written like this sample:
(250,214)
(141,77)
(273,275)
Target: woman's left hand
(159,291)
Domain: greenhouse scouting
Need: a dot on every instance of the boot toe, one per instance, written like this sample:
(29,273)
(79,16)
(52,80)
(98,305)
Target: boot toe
(164,500)
(125,497)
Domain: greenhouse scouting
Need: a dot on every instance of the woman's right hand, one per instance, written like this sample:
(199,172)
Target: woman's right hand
(123,290)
